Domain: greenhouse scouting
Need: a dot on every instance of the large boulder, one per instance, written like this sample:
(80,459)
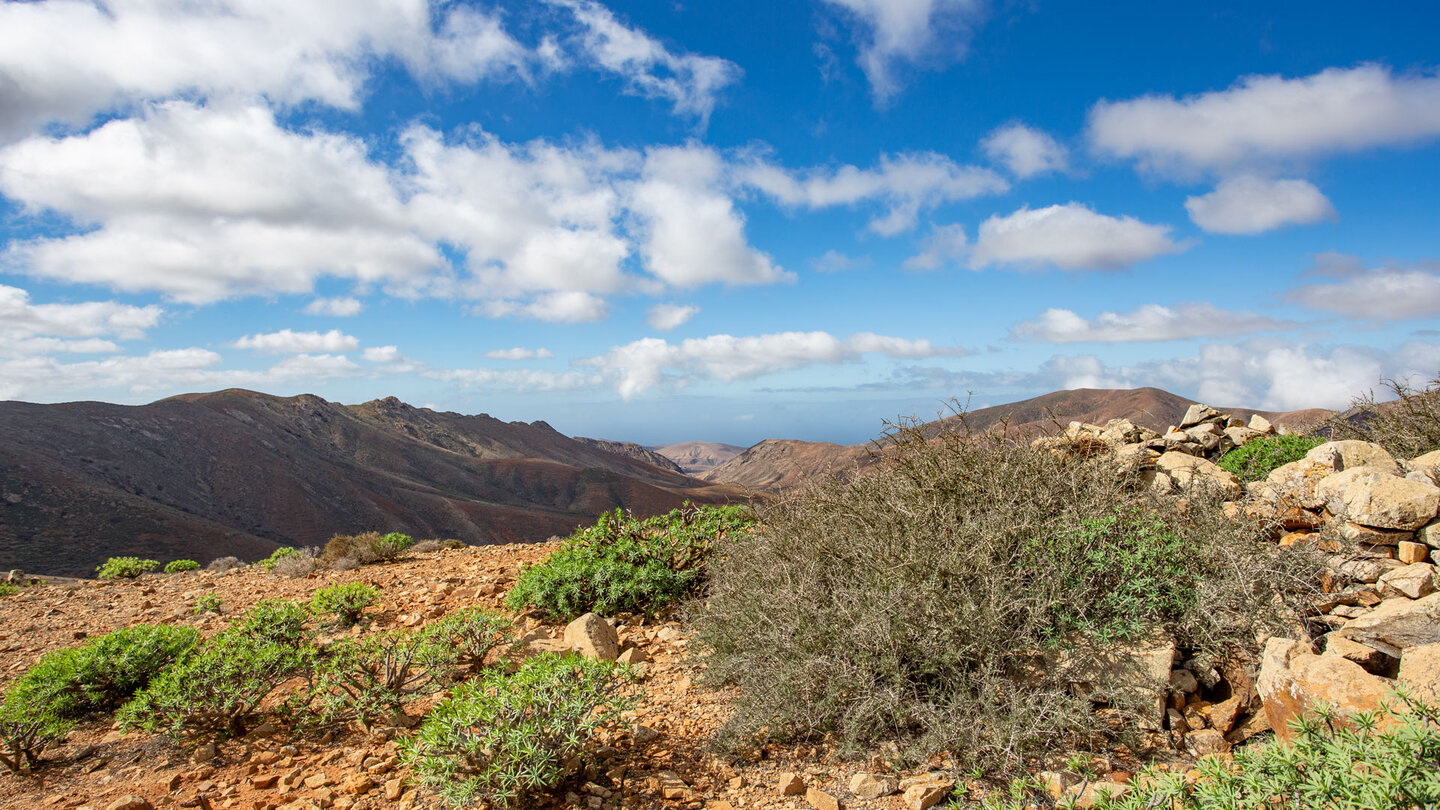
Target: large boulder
(1420,670)
(1196,414)
(1413,581)
(1293,681)
(1427,465)
(1188,471)
(1372,498)
(1295,484)
(1349,454)
(1396,625)
(593,637)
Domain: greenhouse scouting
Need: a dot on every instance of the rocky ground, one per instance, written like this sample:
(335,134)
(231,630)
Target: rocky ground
(661,761)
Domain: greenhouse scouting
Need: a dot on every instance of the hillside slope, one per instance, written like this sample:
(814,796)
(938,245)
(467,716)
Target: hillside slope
(238,473)
(699,457)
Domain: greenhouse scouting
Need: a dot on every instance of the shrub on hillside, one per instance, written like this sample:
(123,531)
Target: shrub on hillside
(279,555)
(1362,764)
(223,564)
(347,601)
(367,548)
(125,567)
(42,705)
(6,589)
(1257,458)
(622,564)
(1407,427)
(902,605)
(472,633)
(503,738)
(208,603)
(177,566)
(218,690)
(372,678)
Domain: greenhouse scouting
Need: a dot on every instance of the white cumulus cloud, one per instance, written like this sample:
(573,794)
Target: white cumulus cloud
(519,353)
(1151,322)
(287,341)
(651,362)
(893,32)
(1268,121)
(945,244)
(1380,293)
(20,317)
(670,316)
(338,307)
(1249,205)
(1071,237)
(1025,151)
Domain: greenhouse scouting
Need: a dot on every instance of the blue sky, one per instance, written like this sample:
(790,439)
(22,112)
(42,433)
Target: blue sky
(662,221)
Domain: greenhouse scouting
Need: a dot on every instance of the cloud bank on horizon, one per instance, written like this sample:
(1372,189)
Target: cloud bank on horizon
(728,222)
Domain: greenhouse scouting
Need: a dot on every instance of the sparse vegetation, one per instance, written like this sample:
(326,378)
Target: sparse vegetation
(218,690)
(472,633)
(1259,457)
(1362,765)
(298,565)
(371,678)
(1407,427)
(623,564)
(367,548)
(900,606)
(177,566)
(6,589)
(504,737)
(347,601)
(208,603)
(125,568)
(223,564)
(279,555)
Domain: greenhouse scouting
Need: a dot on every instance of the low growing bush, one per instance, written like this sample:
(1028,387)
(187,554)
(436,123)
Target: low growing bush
(503,738)
(1407,426)
(347,601)
(177,566)
(367,548)
(279,555)
(223,564)
(208,603)
(26,730)
(218,690)
(472,633)
(372,678)
(1361,765)
(622,564)
(125,567)
(911,604)
(6,589)
(1256,459)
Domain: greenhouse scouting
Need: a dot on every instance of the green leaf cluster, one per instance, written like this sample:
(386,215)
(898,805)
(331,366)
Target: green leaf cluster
(279,554)
(623,564)
(1256,459)
(125,567)
(64,685)
(1388,760)
(371,678)
(501,738)
(347,601)
(176,566)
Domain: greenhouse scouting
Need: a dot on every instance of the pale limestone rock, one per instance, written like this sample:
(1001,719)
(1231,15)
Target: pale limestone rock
(1188,470)
(1395,625)
(1413,581)
(1369,658)
(1420,670)
(1206,741)
(1364,495)
(1349,454)
(1261,424)
(870,786)
(790,784)
(1196,414)
(820,800)
(1357,533)
(1429,534)
(1427,465)
(593,637)
(131,802)
(924,792)
(1293,680)
(1295,483)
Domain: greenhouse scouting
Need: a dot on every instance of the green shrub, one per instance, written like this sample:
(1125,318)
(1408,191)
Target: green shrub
(1256,459)
(278,555)
(502,738)
(622,564)
(208,603)
(472,633)
(42,705)
(6,589)
(177,566)
(903,605)
(219,689)
(1407,426)
(347,601)
(1359,765)
(367,548)
(125,567)
(371,678)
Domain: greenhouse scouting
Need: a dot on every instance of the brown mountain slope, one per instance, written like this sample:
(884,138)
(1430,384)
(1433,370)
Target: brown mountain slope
(236,472)
(699,457)
(631,450)
(775,465)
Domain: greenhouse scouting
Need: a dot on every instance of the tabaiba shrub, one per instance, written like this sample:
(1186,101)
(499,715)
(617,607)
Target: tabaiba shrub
(218,690)
(125,568)
(503,738)
(1257,458)
(909,605)
(472,633)
(372,678)
(178,566)
(346,601)
(623,564)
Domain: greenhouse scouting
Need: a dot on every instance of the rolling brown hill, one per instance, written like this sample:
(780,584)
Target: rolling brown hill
(695,458)
(239,473)
(774,465)
(634,451)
